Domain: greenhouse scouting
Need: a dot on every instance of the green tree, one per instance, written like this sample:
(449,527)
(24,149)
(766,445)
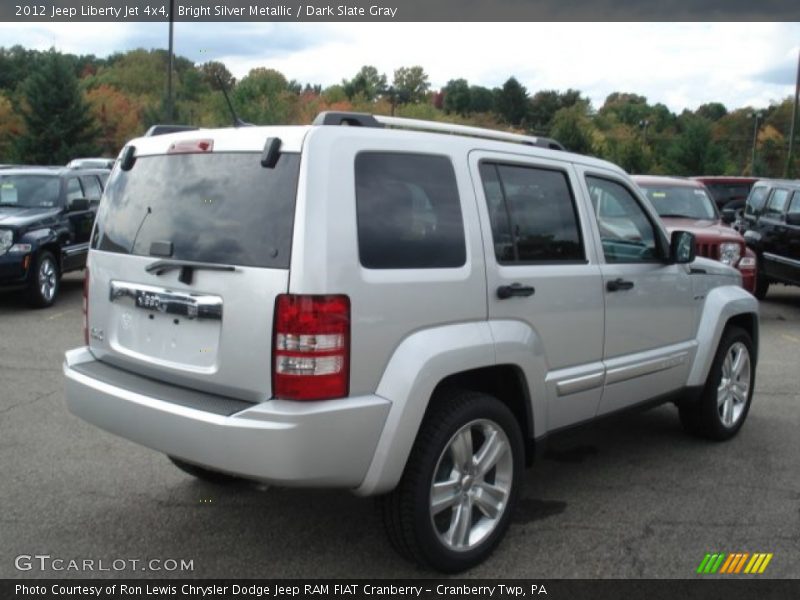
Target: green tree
(511,102)
(410,84)
(481,99)
(215,72)
(457,97)
(571,127)
(694,151)
(713,111)
(367,83)
(263,97)
(58,123)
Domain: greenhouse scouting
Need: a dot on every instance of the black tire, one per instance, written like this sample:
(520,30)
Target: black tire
(205,474)
(705,416)
(45,280)
(762,285)
(412,529)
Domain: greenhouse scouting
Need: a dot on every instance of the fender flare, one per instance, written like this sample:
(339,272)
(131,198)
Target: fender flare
(417,366)
(721,305)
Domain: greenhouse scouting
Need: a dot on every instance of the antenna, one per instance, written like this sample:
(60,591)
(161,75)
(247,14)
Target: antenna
(237,122)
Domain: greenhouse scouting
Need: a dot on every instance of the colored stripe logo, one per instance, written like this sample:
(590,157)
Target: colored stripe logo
(735,563)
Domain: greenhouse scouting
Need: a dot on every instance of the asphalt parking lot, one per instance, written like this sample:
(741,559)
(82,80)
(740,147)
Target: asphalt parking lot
(635,497)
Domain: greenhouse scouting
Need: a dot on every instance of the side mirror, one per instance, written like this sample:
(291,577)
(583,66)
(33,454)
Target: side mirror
(728,215)
(793,218)
(78,204)
(681,247)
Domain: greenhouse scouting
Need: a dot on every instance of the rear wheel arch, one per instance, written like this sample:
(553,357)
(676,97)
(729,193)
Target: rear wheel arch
(506,382)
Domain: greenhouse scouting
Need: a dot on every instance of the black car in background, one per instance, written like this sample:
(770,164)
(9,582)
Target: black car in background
(772,229)
(46,218)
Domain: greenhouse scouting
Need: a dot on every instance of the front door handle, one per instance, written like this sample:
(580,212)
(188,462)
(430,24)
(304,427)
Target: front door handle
(619,284)
(515,289)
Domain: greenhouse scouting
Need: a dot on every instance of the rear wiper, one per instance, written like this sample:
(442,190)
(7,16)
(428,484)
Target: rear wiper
(187,268)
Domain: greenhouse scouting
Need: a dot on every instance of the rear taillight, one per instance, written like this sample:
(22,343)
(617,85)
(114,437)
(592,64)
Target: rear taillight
(86,307)
(311,347)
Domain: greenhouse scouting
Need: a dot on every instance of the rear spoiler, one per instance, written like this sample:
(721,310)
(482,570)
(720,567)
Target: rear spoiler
(162,129)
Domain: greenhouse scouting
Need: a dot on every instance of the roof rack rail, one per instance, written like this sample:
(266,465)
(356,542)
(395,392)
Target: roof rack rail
(346,118)
(162,129)
(480,132)
(368,120)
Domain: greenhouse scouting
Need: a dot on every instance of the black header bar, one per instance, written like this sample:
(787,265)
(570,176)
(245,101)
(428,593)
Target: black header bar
(39,11)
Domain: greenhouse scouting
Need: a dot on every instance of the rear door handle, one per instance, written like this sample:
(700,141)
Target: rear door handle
(619,284)
(515,289)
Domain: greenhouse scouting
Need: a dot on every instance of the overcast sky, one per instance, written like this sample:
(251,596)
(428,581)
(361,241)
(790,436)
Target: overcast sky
(682,65)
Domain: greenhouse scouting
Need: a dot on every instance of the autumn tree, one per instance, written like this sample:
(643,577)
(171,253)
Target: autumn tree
(117,116)
(58,123)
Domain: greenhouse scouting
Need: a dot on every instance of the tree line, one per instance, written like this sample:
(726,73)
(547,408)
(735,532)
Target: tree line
(56,106)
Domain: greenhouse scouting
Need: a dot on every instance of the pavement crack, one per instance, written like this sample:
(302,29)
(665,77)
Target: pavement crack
(28,402)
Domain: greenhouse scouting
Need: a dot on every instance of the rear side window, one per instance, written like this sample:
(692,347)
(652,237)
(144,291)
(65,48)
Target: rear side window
(408,212)
(532,214)
(214,207)
(794,207)
(92,187)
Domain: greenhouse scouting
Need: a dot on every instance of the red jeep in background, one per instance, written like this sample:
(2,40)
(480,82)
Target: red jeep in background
(728,192)
(685,204)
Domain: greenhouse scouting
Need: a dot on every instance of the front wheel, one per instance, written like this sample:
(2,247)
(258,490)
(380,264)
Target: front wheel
(454,502)
(45,281)
(722,408)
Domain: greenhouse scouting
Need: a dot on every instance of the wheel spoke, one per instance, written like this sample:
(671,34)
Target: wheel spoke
(490,499)
(461,449)
(460,524)
(726,366)
(727,411)
(722,397)
(738,395)
(490,452)
(444,495)
(738,362)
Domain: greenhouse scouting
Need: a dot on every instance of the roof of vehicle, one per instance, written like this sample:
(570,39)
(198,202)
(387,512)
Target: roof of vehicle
(253,139)
(53,171)
(725,179)
(787,182)
(664,180)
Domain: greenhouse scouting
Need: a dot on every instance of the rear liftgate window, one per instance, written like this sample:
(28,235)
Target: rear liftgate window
(214,207)
(409,213)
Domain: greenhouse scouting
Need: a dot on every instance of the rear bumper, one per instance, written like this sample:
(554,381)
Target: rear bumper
(320,444)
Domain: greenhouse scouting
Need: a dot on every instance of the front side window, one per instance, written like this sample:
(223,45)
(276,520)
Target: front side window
(532,214)
(74,189)
(755,201)
(777,203)
(408,212)
(794,207)
(625,230)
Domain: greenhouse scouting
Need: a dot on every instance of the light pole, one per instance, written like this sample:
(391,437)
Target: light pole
(643,125)
(787,168)
(169,62)
(755,115)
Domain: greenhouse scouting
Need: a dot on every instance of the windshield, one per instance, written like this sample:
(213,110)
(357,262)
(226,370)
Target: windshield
(29,191)
(681,202)
(214,207)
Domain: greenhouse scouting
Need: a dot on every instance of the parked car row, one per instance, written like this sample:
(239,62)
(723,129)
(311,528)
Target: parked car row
(771,222)
(365,303)
(46,218)
(685,204)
